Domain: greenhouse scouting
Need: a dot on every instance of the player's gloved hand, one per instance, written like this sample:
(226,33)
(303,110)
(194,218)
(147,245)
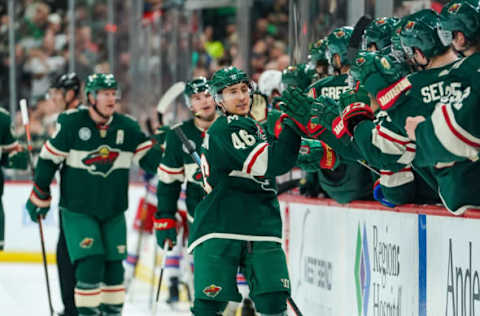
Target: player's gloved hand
(315,155)
(274,123)
(165,226)
(38,203)
(18,158)
(297,106)
(352,96)
(259,108)
(378,194)
(324,112)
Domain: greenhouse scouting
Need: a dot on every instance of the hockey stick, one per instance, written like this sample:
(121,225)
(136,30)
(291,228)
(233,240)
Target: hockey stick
(169,96)
(162,268)
(357,35)
(26,125)
(188,146)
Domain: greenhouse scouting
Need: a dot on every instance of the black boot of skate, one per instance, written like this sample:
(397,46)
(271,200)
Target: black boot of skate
(173,293)
(247,308)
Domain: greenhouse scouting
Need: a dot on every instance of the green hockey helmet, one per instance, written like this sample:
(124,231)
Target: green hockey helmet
(318,53)
(197,85)
(99,81)
(337,43)
(299,76)
(379,32)
(460,15)
(224,78)
(420,31)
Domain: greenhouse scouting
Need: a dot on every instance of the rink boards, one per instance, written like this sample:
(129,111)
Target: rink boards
(354,259)
(365,259)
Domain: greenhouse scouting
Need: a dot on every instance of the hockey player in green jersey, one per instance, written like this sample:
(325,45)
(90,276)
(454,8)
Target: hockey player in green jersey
(177,167)
(333,86)
(15,158)
(418,92)
(348,181)
(238,223)
(95,148)
(450,138)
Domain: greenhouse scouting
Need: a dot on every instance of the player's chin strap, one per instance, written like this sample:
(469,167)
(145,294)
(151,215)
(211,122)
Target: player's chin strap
(106,117)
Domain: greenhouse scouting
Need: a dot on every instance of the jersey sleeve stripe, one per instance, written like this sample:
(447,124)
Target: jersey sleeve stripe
(169,175)
(143,146)
(141,151)
(10,147)
(49,152)
(456,129)
(454,138)
(391,136)
(48,145)
(395,179)
(257,160)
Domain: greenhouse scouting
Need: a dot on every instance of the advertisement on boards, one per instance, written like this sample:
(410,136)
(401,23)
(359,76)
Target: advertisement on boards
(368,256)
(453,266)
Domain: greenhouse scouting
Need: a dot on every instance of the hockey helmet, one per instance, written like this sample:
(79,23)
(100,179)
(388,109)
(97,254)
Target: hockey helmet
(379,32)
(460,15)
(224,78)
(68,81)
(269,81)
(337,43)
(99,81)
(420,31)
(299,76)
(318,52)
(197,85)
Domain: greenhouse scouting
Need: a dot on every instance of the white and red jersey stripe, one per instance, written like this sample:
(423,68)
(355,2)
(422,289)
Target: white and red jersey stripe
(257,161)
(454,138)
(170,174)
(393,144)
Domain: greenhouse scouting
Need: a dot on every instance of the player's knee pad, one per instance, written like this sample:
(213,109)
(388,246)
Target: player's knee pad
(90,270)
(274,303)
(208,308)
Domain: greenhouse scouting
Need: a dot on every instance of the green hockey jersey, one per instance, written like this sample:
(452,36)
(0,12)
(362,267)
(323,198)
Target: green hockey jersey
(177,166)
(95,162)
(423,94)
(7,140)
(449,139)
(331,87)
(239,167)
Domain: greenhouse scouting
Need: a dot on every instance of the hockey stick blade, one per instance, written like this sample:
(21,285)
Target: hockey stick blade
(357,34)
(169,96)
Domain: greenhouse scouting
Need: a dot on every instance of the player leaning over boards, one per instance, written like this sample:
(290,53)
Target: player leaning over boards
(238,223)
(177,167)
(97,147)
(449,138)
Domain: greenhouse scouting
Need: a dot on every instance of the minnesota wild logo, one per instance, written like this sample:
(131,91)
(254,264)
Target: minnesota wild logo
(454,8)
(101,161)
(339,33)
(360,60)
(380,21)
(409,25)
